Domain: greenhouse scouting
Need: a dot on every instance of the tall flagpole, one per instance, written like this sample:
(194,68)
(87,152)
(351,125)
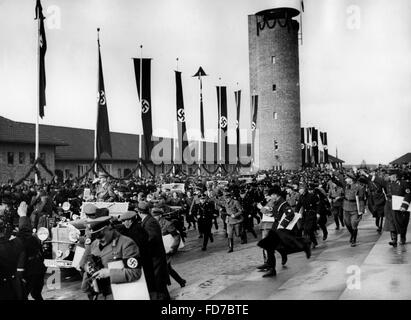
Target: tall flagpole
(37,142)
(200,140)
(176,141)
(219,123)
(140,151)
(98,97)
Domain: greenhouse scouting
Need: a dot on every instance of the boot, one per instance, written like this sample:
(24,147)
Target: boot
(394,239)
(284,258)
(271,273)
(211,238)
(354,238)
(254,234)
(244,238)
(307,250)
(264,265)
(230,245)
(403,239)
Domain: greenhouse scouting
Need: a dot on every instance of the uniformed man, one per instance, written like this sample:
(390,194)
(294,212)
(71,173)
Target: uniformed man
(308,207)
(353,205)
(282,236)
(336,196)
(204,211)
(266,223)
(247,203)
(104,191)
(396,221)
(109,246)
(234,218)
(12,260)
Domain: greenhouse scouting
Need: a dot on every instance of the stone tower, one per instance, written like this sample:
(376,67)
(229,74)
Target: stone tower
(274,77)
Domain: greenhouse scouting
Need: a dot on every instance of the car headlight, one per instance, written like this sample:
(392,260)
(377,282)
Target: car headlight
(74,235)
(43,233)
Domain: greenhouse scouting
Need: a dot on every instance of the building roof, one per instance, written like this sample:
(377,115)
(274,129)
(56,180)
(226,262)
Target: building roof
(333,159)
(19,132)
(406,158)
(74,144)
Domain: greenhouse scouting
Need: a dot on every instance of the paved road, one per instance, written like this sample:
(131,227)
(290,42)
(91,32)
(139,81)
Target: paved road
(380,271)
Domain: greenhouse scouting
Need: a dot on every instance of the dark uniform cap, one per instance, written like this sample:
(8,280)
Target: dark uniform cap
(157,211)
(143,207)
(351,175)
(98,224)
(89,209)
(128,215)
(275,190)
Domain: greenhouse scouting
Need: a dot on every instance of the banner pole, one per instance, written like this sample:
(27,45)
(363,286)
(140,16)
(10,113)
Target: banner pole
(140,150)
(37,138)
(98,97)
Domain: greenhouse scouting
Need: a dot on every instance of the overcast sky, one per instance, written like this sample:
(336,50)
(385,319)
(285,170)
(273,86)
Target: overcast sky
(355,66)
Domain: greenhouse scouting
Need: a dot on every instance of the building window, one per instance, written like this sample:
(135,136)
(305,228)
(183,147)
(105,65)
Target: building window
(119,173)
(32,157)
(43,156)
(273,59)
(82,168)
(108,168)
(21,157)
(275,145)
(275,115)
(66,173)
(274,87)
(10,158)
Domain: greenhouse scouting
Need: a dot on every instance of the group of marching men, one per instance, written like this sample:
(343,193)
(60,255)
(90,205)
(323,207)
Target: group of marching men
(289,208)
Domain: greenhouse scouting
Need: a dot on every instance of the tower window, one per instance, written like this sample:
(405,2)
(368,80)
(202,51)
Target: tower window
(275,145)
(274,87)
(273,59)
(275,115)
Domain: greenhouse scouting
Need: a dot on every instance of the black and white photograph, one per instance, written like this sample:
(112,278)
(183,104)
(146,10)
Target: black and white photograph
(206,150)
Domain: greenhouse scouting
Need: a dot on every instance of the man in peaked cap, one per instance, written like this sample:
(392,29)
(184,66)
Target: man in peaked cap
(134,230)
(396,221)
(234,218)
(110,246)
(204,211)
(157,252)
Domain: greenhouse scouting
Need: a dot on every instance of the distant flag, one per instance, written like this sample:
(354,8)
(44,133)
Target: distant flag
(200,73)
(302,147)
(223,121)
(325,142)
(103,129)
(181,118)
(237,96)
(42,43)
(254,106)
(315,144)
(145,95)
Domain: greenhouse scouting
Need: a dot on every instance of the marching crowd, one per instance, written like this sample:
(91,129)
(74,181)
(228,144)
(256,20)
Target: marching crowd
(289,208)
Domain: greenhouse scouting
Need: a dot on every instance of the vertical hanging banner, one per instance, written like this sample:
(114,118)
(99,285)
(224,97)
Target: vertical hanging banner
(103,140)
(302,147)
(315,145)
(237,96)
(308,145)
(42,43)
(325,142)
(146,108)
(223,123)
(254,105)
(181,120)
